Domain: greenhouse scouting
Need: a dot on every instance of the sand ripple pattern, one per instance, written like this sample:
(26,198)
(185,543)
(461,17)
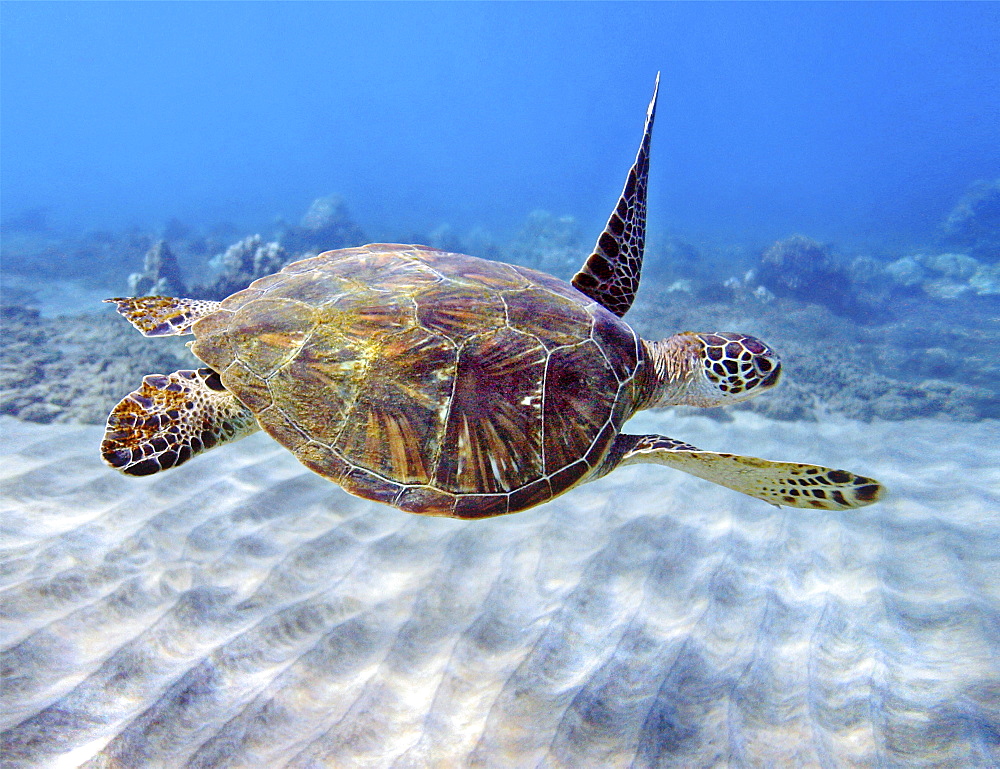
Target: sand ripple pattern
(241,612)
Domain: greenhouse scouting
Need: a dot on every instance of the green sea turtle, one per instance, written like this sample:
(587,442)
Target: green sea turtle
(450,385)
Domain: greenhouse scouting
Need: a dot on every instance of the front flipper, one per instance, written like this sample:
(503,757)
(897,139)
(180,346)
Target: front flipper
(163,315)
(780,483)
(610,276)
(171,418)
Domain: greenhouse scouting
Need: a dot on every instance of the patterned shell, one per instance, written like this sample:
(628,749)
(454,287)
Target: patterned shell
(440,383)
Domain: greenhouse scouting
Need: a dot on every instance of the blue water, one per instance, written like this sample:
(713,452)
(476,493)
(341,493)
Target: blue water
(851,122)
(241,610)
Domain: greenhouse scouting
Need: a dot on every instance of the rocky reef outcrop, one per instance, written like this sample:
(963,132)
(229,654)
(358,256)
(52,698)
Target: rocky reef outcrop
(862,287)
(549,243)
(921,363)
(241,264)
(945,276)
(325,226)
(860,334)
(74,369)
(973,225)
(160,276)
(801,268)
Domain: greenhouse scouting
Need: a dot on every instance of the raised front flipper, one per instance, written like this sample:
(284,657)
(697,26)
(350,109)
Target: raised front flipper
(780,483)
(171,418)
(610,275)
(163,315)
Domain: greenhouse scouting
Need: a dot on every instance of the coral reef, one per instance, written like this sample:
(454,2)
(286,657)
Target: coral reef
(922,364)
(161,274)
(240,265)
(801,268)
(945,276)
(859,335)
(325,226)
(974,224)
(862,288)
(548,243)
(74,369)
(919,361)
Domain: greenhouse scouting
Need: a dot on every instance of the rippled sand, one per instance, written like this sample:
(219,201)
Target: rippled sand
(240,611)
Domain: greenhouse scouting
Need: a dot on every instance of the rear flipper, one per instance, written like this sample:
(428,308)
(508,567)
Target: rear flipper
(780,483)
(171,418)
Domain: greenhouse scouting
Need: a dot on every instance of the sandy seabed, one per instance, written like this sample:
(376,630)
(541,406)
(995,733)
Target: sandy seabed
(240,611)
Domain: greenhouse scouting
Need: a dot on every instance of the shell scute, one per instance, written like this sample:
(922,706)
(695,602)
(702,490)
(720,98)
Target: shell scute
(426,500)
(492,441)
(581,392)
(618,343)
(482,506)
(553,284)
(313,287)
(280,427)
(396,421)
(475,272)
(553,319)
(320,369)
(452,309)
(385,269)
(322,460)
(364,317)
(530,495)
(264,285)
(309,264)
(370,486)
(268,332)
(569,475)
(254,391)
(212,343)
(240,299)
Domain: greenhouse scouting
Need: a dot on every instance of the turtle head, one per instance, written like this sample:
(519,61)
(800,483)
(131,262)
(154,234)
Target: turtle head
(717,369)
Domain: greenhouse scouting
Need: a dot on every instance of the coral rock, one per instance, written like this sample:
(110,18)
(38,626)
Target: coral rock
(161,274)
(241,264)
(946,276)
(549,243)
(906,272)
(974,223)
(325,226)
(801,268)
(956,266)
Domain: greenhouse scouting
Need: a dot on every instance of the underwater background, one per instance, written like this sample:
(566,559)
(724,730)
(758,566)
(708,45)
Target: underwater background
(825,176)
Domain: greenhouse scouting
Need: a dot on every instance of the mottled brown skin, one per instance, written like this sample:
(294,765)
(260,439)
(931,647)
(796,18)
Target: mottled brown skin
(440,383)
(171,418)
